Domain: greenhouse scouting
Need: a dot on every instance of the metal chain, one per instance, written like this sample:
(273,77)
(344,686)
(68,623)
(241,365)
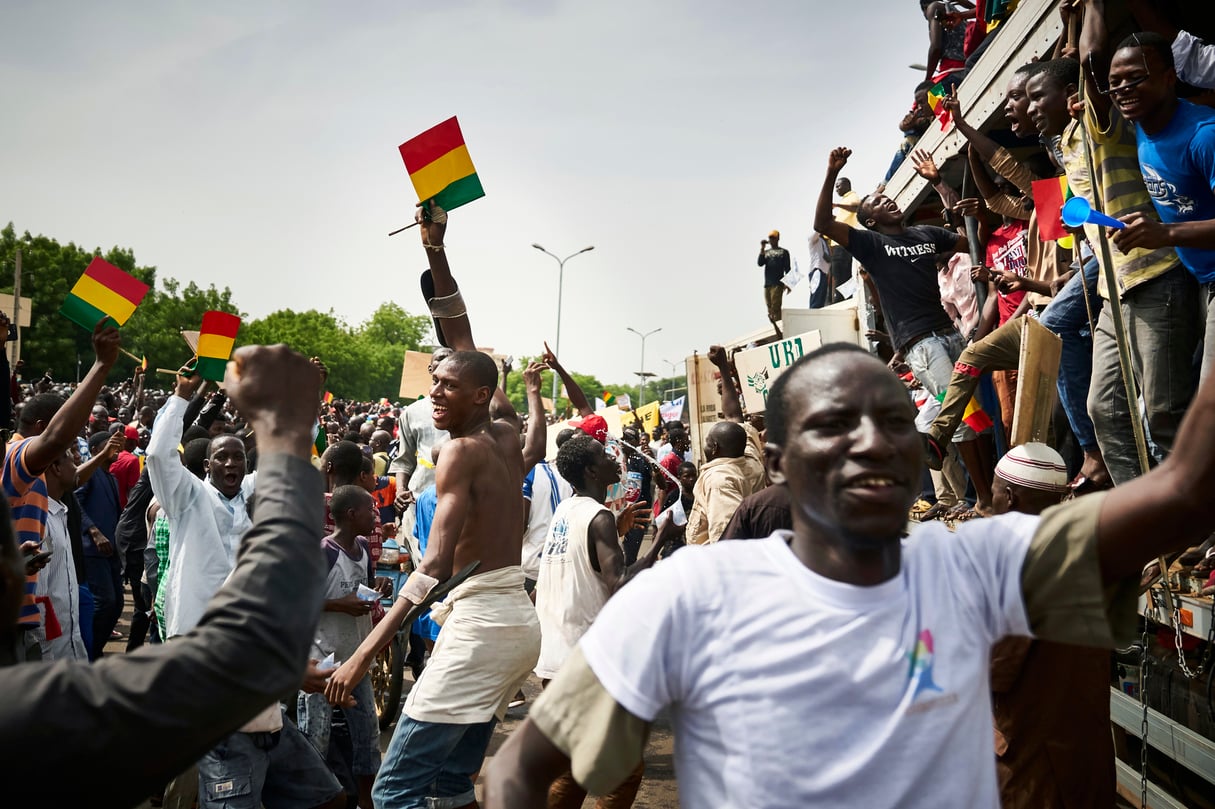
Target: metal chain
(1177,633)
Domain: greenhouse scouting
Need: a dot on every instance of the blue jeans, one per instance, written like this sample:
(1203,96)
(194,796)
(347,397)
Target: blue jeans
(431,765)
(250,770)
(104,574)
(1067,316)
(314,715)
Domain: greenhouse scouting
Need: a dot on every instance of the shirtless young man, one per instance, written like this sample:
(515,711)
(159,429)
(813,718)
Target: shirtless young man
(491,638)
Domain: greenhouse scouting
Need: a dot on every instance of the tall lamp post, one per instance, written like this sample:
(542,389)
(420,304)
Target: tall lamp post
(642,373)
(560,284)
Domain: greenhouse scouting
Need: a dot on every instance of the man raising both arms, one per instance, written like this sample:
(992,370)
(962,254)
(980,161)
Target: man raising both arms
(491,638)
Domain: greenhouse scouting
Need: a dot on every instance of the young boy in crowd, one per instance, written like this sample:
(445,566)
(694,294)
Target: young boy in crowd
(345,622)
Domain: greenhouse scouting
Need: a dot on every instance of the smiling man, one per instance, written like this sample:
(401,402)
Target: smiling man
(901,262)
(1159,297)
(800,668)
(1176,143)
(491,638)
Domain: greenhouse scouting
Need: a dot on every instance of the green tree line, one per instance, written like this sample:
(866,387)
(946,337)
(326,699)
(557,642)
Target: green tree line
(364,360)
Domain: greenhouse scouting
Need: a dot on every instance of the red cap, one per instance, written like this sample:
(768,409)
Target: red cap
(594,426)
(131,433)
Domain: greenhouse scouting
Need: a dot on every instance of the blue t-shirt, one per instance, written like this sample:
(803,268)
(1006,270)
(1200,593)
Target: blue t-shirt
(1178,165)
(424,510)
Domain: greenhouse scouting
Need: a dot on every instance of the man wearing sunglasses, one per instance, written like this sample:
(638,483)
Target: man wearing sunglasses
(1158,296)
(1176,145)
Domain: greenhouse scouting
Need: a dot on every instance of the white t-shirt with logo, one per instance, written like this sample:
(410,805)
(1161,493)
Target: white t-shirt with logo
(790,689)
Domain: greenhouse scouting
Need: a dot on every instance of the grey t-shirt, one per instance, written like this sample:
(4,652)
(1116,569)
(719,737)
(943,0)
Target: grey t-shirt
(337,632)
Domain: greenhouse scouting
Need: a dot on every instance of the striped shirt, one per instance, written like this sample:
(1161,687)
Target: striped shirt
(27,499)
(1120,191)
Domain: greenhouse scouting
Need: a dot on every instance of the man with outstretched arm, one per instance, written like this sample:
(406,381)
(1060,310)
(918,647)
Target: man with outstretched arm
(175,701)
(901,263)
(844,624)
(490,638)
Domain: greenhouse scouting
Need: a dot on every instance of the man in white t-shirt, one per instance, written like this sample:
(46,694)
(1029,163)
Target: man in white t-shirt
(841,664)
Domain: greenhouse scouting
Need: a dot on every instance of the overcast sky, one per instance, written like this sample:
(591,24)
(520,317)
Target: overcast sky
(254,146)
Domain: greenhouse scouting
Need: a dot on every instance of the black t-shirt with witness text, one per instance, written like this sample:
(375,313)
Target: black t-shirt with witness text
(904,270)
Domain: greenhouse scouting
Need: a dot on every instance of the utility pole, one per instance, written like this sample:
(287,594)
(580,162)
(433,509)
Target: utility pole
(16,350)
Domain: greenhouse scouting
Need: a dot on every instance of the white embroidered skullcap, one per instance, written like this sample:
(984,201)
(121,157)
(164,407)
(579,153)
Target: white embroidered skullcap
(1035,466)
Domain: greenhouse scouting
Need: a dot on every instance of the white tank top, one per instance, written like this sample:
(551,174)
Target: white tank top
(569,593)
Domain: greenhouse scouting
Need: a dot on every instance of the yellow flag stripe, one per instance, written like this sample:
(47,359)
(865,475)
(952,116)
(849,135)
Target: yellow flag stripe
(215,345)
(441,172)
(93,292)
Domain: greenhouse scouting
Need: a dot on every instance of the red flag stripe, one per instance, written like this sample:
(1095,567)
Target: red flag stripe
(220,323)
(122,283)
(432,144)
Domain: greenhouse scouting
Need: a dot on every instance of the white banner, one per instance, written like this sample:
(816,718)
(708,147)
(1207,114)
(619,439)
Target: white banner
(759,367)
(672,411)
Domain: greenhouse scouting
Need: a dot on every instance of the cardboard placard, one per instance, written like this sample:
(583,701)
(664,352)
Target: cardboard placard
(759,367)
(415,375)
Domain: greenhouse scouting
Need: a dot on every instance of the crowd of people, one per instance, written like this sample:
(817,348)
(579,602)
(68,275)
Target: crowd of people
(770,599)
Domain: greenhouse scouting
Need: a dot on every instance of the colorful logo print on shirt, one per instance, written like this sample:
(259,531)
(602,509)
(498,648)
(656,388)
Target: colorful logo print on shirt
(920,672)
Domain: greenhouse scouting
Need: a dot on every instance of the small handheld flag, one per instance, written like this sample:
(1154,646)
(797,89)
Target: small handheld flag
(609,398)
(440,167)
(974,416)
(936,97)
(103,291)
(215,340)
(328,398)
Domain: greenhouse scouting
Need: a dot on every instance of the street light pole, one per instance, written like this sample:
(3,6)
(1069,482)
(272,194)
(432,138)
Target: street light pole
(560,285)
(641,373)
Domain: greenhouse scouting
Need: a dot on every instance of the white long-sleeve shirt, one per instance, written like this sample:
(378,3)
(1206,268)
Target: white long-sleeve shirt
(205,528)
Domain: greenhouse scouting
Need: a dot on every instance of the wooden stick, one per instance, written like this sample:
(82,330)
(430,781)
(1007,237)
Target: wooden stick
(407,227)
(129,354)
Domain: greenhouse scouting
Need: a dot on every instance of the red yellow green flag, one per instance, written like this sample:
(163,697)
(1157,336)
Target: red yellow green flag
(609,398)
(328,398)
(936,95)
(103,291)
(440,167)
(974,416)
(215,340)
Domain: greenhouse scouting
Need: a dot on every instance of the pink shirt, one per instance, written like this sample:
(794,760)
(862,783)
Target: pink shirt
(958,294)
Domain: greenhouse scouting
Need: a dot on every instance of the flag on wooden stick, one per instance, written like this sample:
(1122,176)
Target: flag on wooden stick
(215,340)
(440,167)
(103,291)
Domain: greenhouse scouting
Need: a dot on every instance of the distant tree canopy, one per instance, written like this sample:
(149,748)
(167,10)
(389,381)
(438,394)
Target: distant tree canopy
(364,361)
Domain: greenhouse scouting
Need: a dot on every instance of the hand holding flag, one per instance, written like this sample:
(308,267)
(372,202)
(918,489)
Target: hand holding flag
(441,168)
